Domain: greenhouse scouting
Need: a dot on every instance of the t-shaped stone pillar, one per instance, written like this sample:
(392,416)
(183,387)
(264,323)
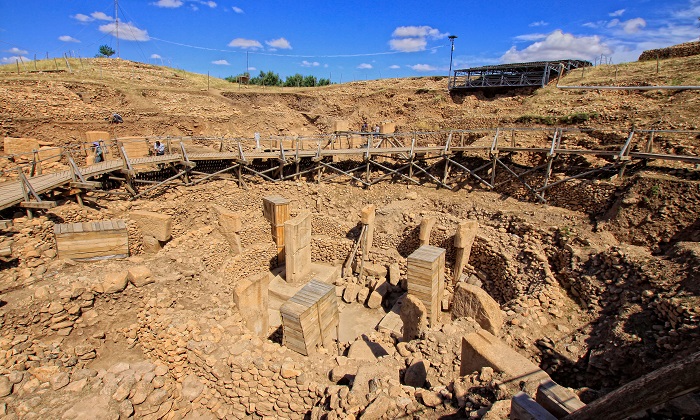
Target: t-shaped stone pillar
(426,225)
(276,211)
(230,226)
(252,299)
(367,216)
(297,234)
(464,239)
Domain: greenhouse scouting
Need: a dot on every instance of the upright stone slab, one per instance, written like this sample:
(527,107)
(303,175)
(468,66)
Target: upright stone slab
(252,299)
(413,318)
(367,216)
(153,224)
(276,211)
(297,234)
(135,147)
(310,317)
(230,226)
(426,226)
(557,400)
(473,301)
(463,241)
(20,145)
(522,407)
(426,279)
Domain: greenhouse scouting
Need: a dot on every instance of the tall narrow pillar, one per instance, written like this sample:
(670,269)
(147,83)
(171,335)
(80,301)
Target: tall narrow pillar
(276,211)
(426,226)
(464,239)
(297,235)
(367,216)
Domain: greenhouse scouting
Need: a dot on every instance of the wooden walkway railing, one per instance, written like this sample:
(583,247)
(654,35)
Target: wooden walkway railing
(440,158)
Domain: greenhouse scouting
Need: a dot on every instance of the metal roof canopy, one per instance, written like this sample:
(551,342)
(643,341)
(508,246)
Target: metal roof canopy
(536,73)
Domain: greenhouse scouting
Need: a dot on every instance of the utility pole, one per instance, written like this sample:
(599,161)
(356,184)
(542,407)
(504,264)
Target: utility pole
(452,49)
(116,23)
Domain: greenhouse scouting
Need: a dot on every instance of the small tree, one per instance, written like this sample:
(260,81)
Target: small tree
(105,51)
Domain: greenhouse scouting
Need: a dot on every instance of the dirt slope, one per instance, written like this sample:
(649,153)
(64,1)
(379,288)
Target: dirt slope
(60,106)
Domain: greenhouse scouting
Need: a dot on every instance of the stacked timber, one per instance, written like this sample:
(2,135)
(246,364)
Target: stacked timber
(426,278)
(92,240)
(310,317)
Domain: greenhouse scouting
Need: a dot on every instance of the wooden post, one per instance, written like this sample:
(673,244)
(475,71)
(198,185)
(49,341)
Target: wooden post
(650,390)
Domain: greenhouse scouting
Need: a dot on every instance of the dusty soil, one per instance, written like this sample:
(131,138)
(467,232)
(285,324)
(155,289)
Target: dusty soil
(597,288)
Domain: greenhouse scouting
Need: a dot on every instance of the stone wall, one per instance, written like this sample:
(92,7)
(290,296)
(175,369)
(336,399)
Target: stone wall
(681,50)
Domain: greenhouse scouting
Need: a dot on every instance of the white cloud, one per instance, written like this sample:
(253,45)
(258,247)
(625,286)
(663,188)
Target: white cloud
(691,12)
(594,25)
(413,38)
(156,56)
(211,4)
(252,68)
(408,44)
(617,13)
(559,45)
(364,66)
(633,25)
(82,18)
(245,43)
(67,38)
(310,64)
(418,32)
(237,9)
(17,51)
(171,4)
(14,59)
(423,67)
(538,23)
(221,63)
(394,66)
(280,43)
(101,16)
(127,31)
(530,37)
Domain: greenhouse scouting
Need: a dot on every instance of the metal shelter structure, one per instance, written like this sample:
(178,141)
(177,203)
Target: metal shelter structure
(537,73)
(501,159)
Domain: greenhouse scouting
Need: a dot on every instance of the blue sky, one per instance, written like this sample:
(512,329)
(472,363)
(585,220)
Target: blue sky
(347,40)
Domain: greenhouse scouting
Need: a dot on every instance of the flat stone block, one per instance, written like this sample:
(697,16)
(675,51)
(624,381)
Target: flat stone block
(481,349)
(153,224)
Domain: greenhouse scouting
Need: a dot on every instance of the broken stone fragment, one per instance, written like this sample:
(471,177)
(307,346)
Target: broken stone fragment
(414,318)
(475,302)
(115,282)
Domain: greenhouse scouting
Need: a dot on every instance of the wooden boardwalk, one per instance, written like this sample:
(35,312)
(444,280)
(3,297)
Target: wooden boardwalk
(434,163)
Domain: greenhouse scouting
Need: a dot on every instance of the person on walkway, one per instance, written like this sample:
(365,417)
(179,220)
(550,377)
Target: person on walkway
(99,156)
(159,148)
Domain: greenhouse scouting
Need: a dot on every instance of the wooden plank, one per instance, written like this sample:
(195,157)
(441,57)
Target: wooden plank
(38,204)
(90,185)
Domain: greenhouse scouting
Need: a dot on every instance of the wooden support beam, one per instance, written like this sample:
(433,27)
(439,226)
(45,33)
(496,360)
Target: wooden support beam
(44,205)
(85,185)
(652,389)
(522,181)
